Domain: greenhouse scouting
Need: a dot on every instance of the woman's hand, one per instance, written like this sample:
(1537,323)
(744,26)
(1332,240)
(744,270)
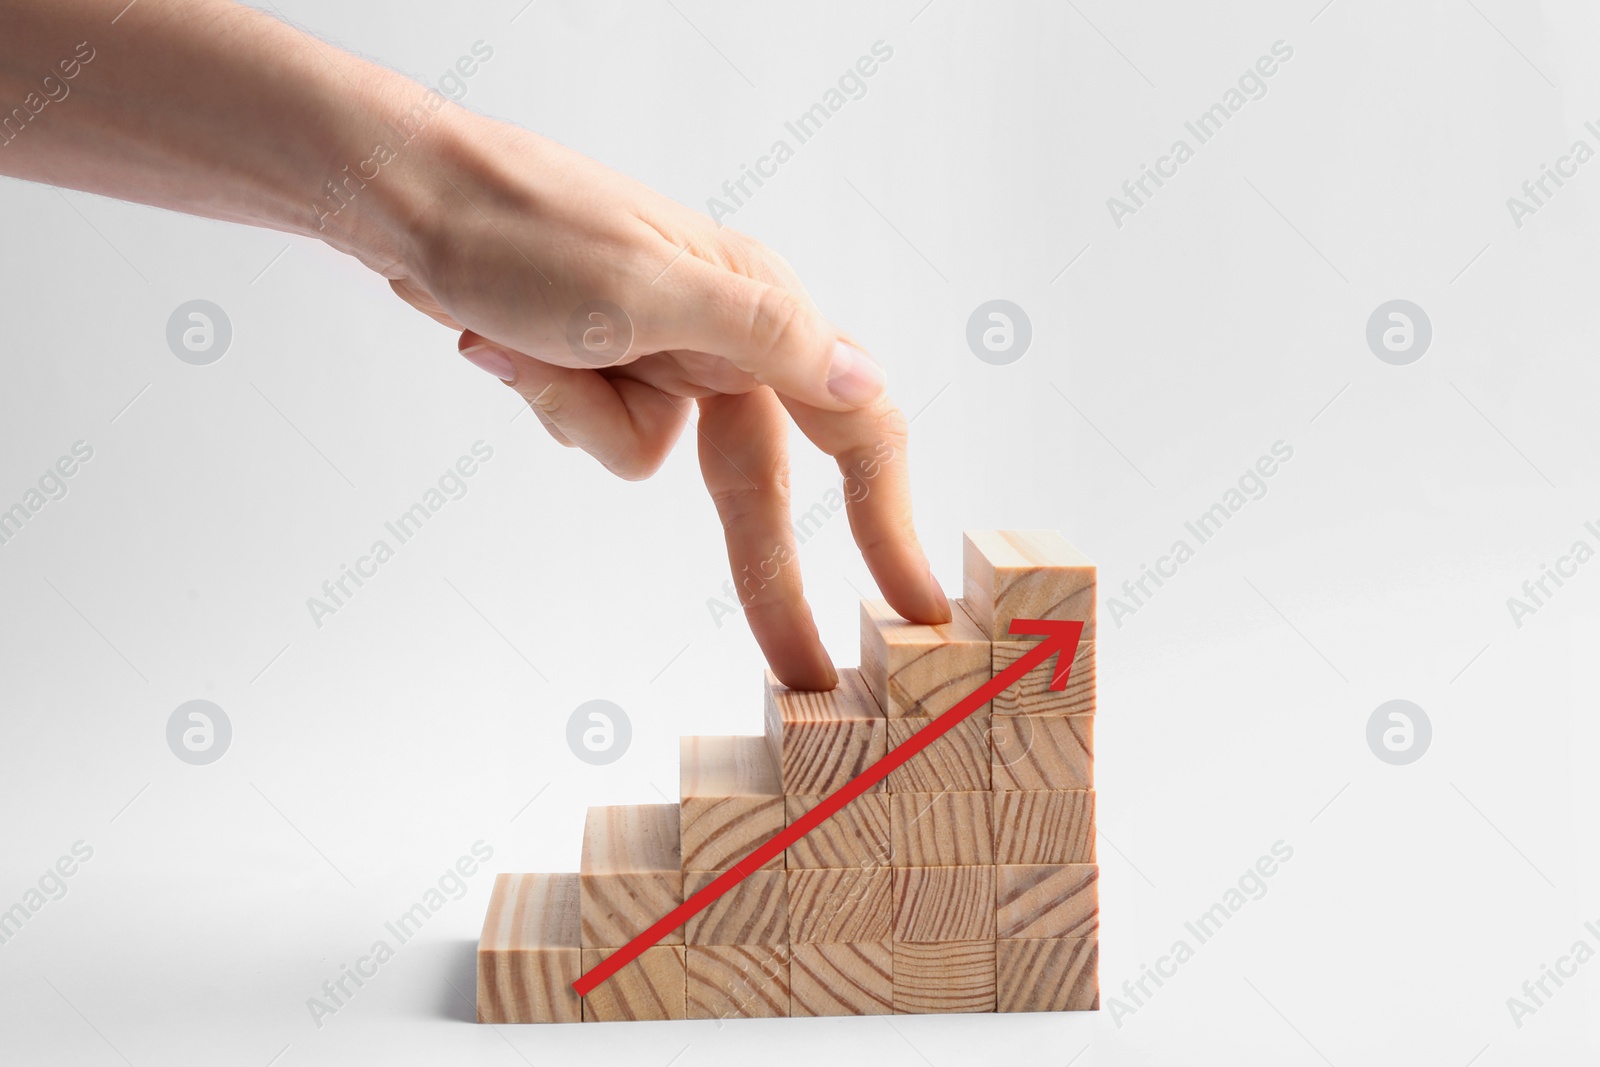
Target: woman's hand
(613,310)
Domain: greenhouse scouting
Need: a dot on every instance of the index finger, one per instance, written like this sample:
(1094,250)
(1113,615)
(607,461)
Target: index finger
(869,444)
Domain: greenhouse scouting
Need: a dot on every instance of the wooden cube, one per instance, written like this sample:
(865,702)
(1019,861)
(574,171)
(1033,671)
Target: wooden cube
(1044,826)
(529,953)
(754,912)
(1043,751)
(732,800)
(960,759)
(1031,694)
(834,905)
(949,829)
(1025,574)
(944,903)
(850,978)
(920,671)
(738,981)
(855,836)
(1047,900)
(651,986)
(820,741)
(1047,974)
(949,976)
(630,874)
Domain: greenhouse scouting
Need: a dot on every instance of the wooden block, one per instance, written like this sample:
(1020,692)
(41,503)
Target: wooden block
(738,981)
(919,671)
(650,987)
(856,836)
(1047,900)
(631,873)
(949,976)
(1044,826)
(960,760)
(732,800)
(529,953)
(1031,694)
(754,912)
(950,829)
(853,978)
(822,740)
(836,905)
(1047,974)
(1043,751)
(944,903)
(1025,574)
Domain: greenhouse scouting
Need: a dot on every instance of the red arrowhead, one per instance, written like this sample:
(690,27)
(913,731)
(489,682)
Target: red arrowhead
(1060,637)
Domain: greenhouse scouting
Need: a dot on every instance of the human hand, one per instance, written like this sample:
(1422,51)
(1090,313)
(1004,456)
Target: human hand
(528,236)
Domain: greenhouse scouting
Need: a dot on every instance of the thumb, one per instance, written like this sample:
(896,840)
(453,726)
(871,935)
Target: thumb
(773,333)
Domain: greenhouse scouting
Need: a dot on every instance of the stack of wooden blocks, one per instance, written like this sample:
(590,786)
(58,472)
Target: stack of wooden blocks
(965,882)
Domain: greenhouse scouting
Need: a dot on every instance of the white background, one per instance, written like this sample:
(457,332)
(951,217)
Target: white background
(1227,314)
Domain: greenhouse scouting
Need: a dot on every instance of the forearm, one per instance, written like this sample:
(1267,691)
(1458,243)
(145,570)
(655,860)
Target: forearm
(215,109)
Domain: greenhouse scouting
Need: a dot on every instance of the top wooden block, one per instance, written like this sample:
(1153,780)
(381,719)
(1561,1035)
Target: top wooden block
(631,838)
(1025,574)
(531,912)
(821,740)
(726,767)
(921,671)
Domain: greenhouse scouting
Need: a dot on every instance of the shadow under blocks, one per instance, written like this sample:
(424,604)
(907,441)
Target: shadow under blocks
(964,881)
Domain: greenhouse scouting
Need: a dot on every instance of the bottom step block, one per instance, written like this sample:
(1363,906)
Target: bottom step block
(944,976)
(528,955)
(845,978)
(1048,974)
(650,987)
(738,981)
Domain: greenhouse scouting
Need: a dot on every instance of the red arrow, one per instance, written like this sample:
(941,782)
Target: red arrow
(1059,637)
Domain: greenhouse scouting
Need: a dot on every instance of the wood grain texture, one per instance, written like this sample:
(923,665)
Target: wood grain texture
(961,759)
(820,741)
(630,874)
(1031,694)
(1047,900)
(949,976)
(1047,974)
(730,800)
(856,836)
(853,978)
(840,905)
(1025,574)
(529,952)
(1042,751)
(944,903)
(1044,826)
(738,981)
(754,912)
(949,829)
(652,986)
(920,671)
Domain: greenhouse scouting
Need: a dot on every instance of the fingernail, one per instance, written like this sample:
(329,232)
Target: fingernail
(492,360)
(854,378)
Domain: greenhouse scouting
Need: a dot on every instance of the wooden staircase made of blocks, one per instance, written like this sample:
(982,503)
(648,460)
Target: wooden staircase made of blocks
(965,881)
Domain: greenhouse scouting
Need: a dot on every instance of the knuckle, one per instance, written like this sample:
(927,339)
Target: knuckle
(777,323)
